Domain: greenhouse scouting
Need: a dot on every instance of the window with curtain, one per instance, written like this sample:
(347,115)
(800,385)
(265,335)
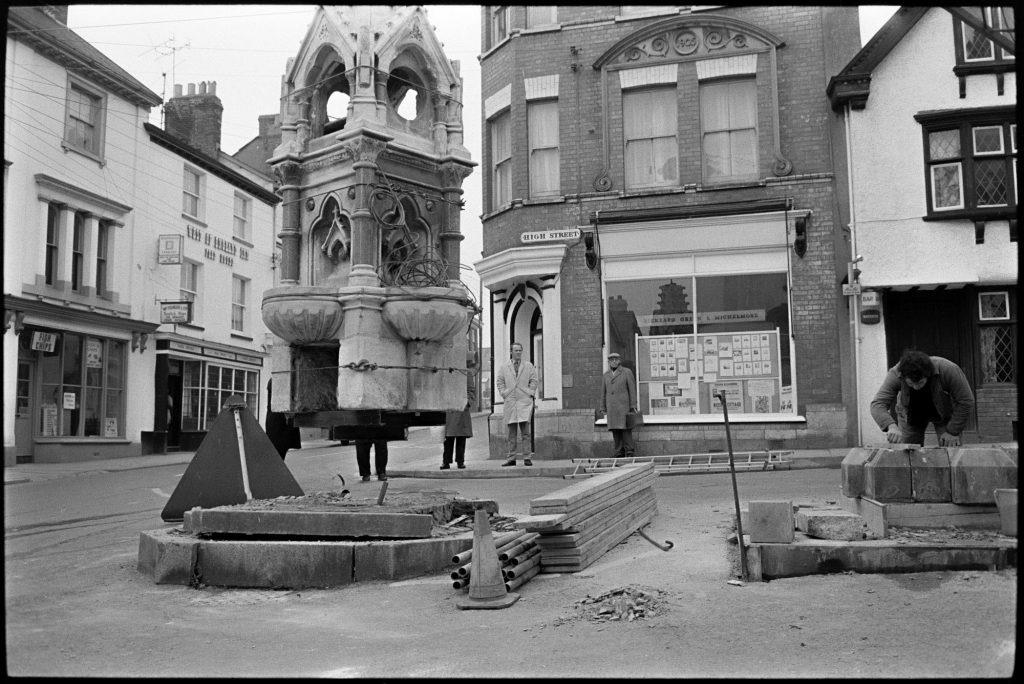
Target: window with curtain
(102,238)
(649,122)
(77,251)
(501,160)
(728,117)
(542,125)
(238,288)
(52,242)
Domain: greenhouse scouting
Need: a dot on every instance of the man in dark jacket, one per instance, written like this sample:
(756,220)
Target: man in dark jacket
(282,435)
(618,399)
(923,389)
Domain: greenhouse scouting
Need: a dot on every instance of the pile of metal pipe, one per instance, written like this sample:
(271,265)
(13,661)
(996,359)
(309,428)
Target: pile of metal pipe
(518,554)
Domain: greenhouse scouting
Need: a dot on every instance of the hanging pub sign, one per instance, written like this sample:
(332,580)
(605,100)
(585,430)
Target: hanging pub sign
(44,341)
(168,249)
(176,312)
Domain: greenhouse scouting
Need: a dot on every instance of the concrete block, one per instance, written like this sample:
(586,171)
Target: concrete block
(167,556)
(930,475)
(976,472)
(887,476)
(352,524)
(279,564)
(942,515)
(1006,502)
(852,469)
(770,521)
(410,559)
(872,512)
(830,524)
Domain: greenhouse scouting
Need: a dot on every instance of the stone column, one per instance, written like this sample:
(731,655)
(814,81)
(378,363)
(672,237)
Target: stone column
(365,232)
(65,246)
(289,172)
(90,244)
(452,175)
(119,262)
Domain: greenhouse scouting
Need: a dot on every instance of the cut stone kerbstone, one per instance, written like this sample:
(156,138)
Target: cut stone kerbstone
(976,472)
(887,476)
(930,475)
(770,521)
(830,524)
(852,469)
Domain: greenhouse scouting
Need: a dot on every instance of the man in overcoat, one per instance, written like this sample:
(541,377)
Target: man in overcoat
(458,426)
(618,398)
(517,383)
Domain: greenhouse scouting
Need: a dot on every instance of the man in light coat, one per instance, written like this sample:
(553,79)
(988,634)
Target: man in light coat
(618,398)
(517,383)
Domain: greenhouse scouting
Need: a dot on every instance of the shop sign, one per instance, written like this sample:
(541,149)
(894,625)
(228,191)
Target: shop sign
(550,235)
(169,249)
(870,316)
(44,341)
(255,360)
(182,346)
(176,312)
(219,354)
(742,316)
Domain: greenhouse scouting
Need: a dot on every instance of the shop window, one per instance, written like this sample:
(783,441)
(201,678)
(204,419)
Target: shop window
(192,193)
(501,159)
(649,121)
(689,338)
(205,389)
(83,130)
(243,211)
(728,117)
(970,162)
(542,125)
(82,388)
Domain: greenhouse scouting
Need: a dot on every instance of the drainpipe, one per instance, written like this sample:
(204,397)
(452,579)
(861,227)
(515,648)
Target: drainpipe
(855,300)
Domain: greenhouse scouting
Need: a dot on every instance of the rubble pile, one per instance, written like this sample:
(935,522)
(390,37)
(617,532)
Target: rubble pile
(625,604)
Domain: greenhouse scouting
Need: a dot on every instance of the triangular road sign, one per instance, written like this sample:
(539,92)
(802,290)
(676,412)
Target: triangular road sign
(235,462)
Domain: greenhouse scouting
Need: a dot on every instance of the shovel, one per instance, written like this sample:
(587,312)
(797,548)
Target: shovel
(735,491)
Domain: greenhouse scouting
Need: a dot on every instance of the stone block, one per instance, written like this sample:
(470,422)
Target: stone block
(830,524)
(352,524)
(976,472)
(770,521)
(372,561)
(852,470)
(283,564)
(887,476)
(1006,502)
(930,475)
(167,556)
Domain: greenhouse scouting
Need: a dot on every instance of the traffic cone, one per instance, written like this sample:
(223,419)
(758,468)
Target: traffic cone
(486,586)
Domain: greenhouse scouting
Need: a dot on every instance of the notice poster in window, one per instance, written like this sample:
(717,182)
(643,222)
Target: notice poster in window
(761,393)
(786,399)
(49,415)
(69,400)
(733,391)
(93,353)
(725,368)
(110,427)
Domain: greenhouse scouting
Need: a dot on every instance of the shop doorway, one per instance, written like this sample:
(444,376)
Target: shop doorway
(23,414)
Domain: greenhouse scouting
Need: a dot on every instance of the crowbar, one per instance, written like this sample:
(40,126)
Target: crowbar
(735,491)
(664,547)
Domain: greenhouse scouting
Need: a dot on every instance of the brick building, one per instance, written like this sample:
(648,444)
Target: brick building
(660,181)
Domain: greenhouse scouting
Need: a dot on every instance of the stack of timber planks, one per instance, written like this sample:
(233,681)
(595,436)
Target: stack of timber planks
(580,523)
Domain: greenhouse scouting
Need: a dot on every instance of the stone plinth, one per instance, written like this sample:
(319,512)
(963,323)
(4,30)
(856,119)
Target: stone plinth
(976,472)
(770,521)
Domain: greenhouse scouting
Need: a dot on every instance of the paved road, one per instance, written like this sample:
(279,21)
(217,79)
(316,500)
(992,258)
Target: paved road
(77,606)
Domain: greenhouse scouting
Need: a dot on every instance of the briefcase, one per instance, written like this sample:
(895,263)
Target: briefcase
(634,419)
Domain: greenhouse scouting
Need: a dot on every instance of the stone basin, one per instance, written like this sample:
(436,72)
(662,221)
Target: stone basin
(429,317)
(302,315)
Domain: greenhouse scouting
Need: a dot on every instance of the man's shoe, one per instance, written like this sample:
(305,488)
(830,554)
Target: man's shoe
(462,466)
(527,462)
(381,478)
(445,466)
(509,462)
(366,478)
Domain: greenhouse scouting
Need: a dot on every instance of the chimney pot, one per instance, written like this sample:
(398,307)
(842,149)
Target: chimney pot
(202,87)
(191,89)
(213,87)
(177,90)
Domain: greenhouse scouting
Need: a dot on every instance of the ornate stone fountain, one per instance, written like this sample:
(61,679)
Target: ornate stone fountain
(371,315)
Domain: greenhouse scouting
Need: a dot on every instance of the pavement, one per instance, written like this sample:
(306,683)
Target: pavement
(419,457)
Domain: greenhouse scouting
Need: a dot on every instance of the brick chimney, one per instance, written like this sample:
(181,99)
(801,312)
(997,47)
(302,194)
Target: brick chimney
(195,118)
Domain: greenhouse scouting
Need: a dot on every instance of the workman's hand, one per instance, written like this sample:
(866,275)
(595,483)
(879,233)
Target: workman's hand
(893,434)
(949,440)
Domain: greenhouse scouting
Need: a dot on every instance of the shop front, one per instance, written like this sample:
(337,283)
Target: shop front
(193,379)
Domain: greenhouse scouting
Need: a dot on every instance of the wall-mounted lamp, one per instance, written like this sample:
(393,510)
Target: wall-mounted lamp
(800,243)
(590,255)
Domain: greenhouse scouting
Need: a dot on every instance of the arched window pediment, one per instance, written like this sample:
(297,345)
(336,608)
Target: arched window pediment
(701,37)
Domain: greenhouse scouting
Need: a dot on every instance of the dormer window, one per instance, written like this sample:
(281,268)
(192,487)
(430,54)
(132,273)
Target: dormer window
(974,47)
